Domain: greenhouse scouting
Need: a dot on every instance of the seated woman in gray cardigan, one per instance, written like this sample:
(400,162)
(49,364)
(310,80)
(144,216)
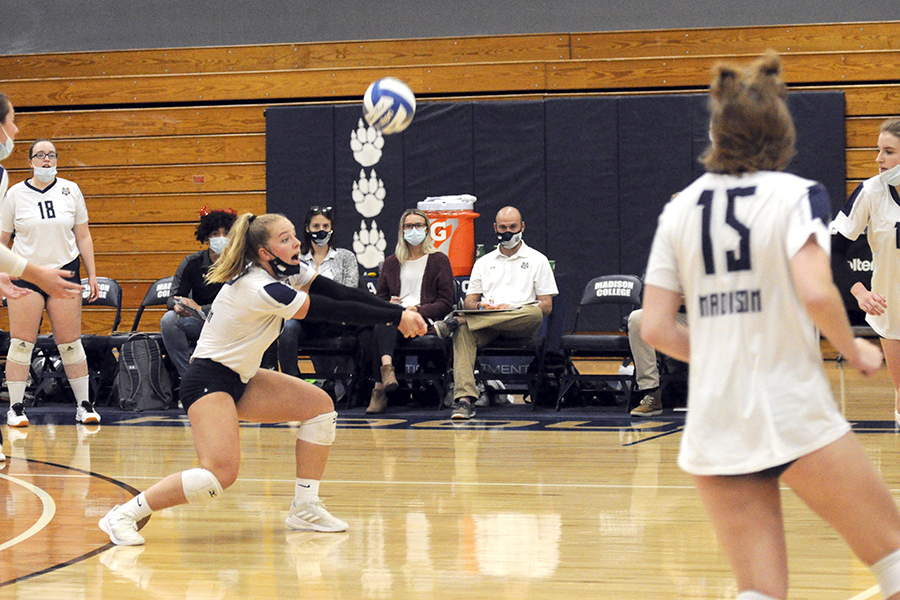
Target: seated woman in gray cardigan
(418,277)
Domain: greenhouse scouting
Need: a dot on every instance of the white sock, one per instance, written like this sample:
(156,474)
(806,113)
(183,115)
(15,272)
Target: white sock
(81,387)
(750,595)
(137,508)
(16,392)
(306,490)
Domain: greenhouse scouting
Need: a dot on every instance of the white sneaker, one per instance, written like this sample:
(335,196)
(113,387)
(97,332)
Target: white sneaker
(85,413)
(312,516)
(15,416)
(121,529)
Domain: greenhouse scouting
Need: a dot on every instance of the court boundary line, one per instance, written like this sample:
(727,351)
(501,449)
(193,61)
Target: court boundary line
(85,556)
(48,510)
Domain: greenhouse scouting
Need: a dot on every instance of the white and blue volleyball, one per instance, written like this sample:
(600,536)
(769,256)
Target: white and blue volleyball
(389,105)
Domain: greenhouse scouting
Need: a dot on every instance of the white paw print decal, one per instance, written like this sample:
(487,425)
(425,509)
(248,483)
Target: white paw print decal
(369,245)
(366,143)
(368,194)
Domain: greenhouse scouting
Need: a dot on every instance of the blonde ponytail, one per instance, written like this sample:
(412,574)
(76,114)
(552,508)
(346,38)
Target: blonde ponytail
(248,234)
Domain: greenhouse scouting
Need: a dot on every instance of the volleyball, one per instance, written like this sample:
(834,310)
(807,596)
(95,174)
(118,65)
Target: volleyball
(389,105)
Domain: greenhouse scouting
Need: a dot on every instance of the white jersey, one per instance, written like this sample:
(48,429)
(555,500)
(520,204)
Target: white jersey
(247,316)
(876,205)
(758,394)
(515,280)
(43,221)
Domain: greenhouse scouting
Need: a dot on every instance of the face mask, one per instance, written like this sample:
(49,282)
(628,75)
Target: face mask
(45,174)
(283,269)
(414,237)
(320,238)
(509,240)
(217,244)
(892,175)
(7,147)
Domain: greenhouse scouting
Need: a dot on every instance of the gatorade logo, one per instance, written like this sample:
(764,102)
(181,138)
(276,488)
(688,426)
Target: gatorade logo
(442,231)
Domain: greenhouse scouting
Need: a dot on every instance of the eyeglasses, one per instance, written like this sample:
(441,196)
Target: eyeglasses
(43,155)
(321,210)
(411,226)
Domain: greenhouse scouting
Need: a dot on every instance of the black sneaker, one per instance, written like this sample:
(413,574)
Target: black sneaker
(446,327)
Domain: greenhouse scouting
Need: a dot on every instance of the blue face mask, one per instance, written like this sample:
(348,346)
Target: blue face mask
(217,244)
(414,237)
(7,147)
(45,174)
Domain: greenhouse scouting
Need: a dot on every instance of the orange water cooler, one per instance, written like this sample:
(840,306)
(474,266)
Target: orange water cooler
(453,229)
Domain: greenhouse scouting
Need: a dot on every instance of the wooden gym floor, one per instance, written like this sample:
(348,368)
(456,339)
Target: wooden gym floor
(585,503)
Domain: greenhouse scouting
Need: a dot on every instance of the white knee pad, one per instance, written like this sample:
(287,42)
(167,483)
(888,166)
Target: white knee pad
(72,353)
(887,572)
(19,352)
(200,485)
(319,430)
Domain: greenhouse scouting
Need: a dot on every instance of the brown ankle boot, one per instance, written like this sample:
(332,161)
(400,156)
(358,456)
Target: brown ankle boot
(378,402)
(389,378)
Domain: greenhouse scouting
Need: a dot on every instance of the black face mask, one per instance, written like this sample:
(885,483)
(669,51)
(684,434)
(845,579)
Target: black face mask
(509,239)
(283,269)
(320,238)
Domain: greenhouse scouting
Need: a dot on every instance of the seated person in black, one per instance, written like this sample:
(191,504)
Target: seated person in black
(192,294)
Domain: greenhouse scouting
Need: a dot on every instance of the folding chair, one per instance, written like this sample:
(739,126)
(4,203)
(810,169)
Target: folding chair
(158,295)
(98,348)
(609,292)
(528,378)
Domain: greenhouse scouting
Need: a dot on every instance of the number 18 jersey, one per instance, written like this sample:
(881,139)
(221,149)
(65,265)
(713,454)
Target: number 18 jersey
(43,221)
(758,395)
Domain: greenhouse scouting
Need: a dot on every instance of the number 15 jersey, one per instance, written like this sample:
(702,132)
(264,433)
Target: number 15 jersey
(43,221)
(758,395)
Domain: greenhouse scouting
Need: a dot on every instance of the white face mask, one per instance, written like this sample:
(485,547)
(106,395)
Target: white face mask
(7,147)
(217,244)
(414,237)
(892,175)
(45,174)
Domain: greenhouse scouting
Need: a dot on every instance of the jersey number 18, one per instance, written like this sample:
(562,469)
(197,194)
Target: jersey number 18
(46,208)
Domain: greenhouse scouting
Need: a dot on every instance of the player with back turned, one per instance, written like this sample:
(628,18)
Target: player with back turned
(748,247)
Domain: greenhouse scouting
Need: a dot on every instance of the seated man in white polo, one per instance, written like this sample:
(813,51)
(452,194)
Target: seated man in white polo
(513,286)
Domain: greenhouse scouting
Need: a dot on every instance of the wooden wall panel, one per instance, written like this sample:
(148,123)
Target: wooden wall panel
(174,179)
(152,208)
(275,57)
(750,40)
(142,122)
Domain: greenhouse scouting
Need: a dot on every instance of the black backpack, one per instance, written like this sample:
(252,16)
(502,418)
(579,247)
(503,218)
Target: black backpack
(142,382)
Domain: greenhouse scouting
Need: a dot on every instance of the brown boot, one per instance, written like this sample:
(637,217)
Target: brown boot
(378,402)
(389,378)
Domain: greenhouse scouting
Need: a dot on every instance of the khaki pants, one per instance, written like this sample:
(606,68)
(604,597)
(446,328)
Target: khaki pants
(646,370)
(481,329)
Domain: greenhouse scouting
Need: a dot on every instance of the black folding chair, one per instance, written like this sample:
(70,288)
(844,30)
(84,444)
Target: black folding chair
(609,292)
(47,368)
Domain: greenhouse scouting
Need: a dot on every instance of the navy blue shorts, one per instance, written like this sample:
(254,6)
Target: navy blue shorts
(74,266)
(205,376)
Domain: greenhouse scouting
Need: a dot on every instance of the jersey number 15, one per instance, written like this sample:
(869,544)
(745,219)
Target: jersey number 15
(735,260)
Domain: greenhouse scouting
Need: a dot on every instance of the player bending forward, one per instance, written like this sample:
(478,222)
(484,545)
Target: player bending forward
(265,283)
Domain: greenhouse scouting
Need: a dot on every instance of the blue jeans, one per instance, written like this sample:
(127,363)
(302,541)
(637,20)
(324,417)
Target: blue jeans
(179,334)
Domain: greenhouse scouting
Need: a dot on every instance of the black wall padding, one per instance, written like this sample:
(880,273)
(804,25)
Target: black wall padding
(583,210)
(590,175)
